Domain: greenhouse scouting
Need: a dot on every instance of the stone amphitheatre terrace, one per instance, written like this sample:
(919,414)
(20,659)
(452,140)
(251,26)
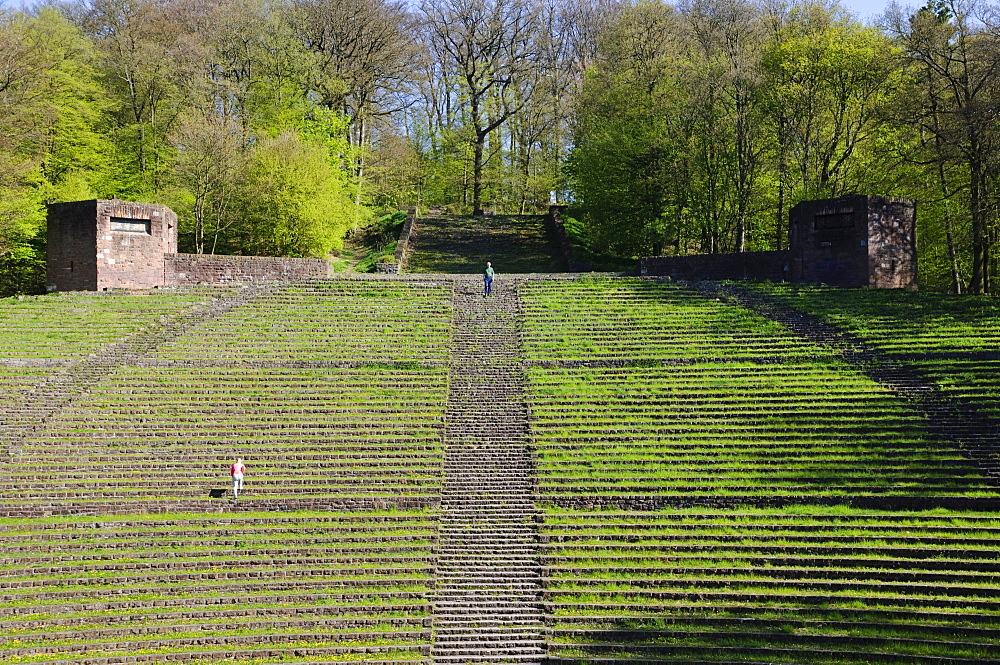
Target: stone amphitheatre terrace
(578,469)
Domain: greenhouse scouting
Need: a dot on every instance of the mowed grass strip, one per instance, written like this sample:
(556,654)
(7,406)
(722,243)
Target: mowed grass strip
(71,325)
(951,340)
(194,585)
(636,320)
(772,585)
(807,428)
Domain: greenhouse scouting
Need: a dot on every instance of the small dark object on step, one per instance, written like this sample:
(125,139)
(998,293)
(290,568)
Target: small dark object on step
(216,494)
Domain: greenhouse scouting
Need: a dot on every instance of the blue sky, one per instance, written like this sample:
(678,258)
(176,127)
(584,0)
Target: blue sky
(869,9)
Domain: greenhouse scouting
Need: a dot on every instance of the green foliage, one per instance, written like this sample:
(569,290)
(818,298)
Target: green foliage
(622,161)
(696,123)
(22,270)
(380,239)
(582,245)
(50,149)
(293,201)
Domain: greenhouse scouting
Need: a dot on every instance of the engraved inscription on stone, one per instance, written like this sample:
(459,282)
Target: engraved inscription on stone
(128,225)
(840,219)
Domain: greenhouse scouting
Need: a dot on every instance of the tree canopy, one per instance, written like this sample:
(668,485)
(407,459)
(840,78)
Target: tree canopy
(684,127)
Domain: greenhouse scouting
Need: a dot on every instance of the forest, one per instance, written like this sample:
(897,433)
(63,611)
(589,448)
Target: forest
(280,127)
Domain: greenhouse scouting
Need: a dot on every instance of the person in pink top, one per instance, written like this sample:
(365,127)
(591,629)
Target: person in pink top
(236,471)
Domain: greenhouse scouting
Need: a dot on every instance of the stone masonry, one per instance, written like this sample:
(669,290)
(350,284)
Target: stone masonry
(850,242)
(181,269)
(487,605)
(855,241)
(110,244)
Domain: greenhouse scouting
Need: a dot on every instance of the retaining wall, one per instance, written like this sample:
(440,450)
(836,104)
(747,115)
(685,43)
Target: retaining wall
(183,269)
(557,230)
(402,246)
(772,266)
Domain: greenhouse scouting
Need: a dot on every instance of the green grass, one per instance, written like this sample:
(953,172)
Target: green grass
(514,244)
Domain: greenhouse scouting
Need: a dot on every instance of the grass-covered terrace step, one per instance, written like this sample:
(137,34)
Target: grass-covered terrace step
(226,585)
(952,340)
(331,320)
(514,243)
(853,586)
(259,657)
(757,649)
(313,652)
(72,325)
(639,320)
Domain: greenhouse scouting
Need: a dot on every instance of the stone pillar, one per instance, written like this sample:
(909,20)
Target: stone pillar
(854,241)
(108,244)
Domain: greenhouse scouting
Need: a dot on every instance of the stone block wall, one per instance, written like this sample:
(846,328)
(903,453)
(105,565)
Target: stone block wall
(829,239)
(71,259)
(387,268)
(855,241)
(892,243)
(557,231)
(849,242)
(184,269)
(108,244)
(403,245)
(772,266)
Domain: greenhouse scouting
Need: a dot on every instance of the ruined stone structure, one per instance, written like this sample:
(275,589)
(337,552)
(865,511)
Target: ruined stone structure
(855,241)
(98,244)
(110,244)
(851,241)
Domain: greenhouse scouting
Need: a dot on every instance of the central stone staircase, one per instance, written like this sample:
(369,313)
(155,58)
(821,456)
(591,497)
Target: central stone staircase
(487,605)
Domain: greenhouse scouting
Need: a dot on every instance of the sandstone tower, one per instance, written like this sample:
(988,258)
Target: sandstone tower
(855,241)
(108,244)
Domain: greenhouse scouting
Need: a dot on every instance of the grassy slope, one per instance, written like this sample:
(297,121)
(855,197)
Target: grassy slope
(333,391)
(683,398)
(952,340)
(515,244)
(642,390)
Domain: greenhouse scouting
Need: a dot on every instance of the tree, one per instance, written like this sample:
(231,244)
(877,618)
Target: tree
(364,57)
(209,160)
(830,80)
(493,46)
(957,55)
(727,40)
(138,42)
(625,165)
(20,111)
(50,149)
(293,201)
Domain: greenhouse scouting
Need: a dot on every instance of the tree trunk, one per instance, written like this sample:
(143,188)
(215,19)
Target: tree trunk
(360,164)
(978,283)
(949,228)
(956,275)
(741,233)
(477,174)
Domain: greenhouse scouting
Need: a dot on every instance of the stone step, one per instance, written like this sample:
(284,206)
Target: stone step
(487,649)
(487,566)
(477,606)
(467,556)
(521,659)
